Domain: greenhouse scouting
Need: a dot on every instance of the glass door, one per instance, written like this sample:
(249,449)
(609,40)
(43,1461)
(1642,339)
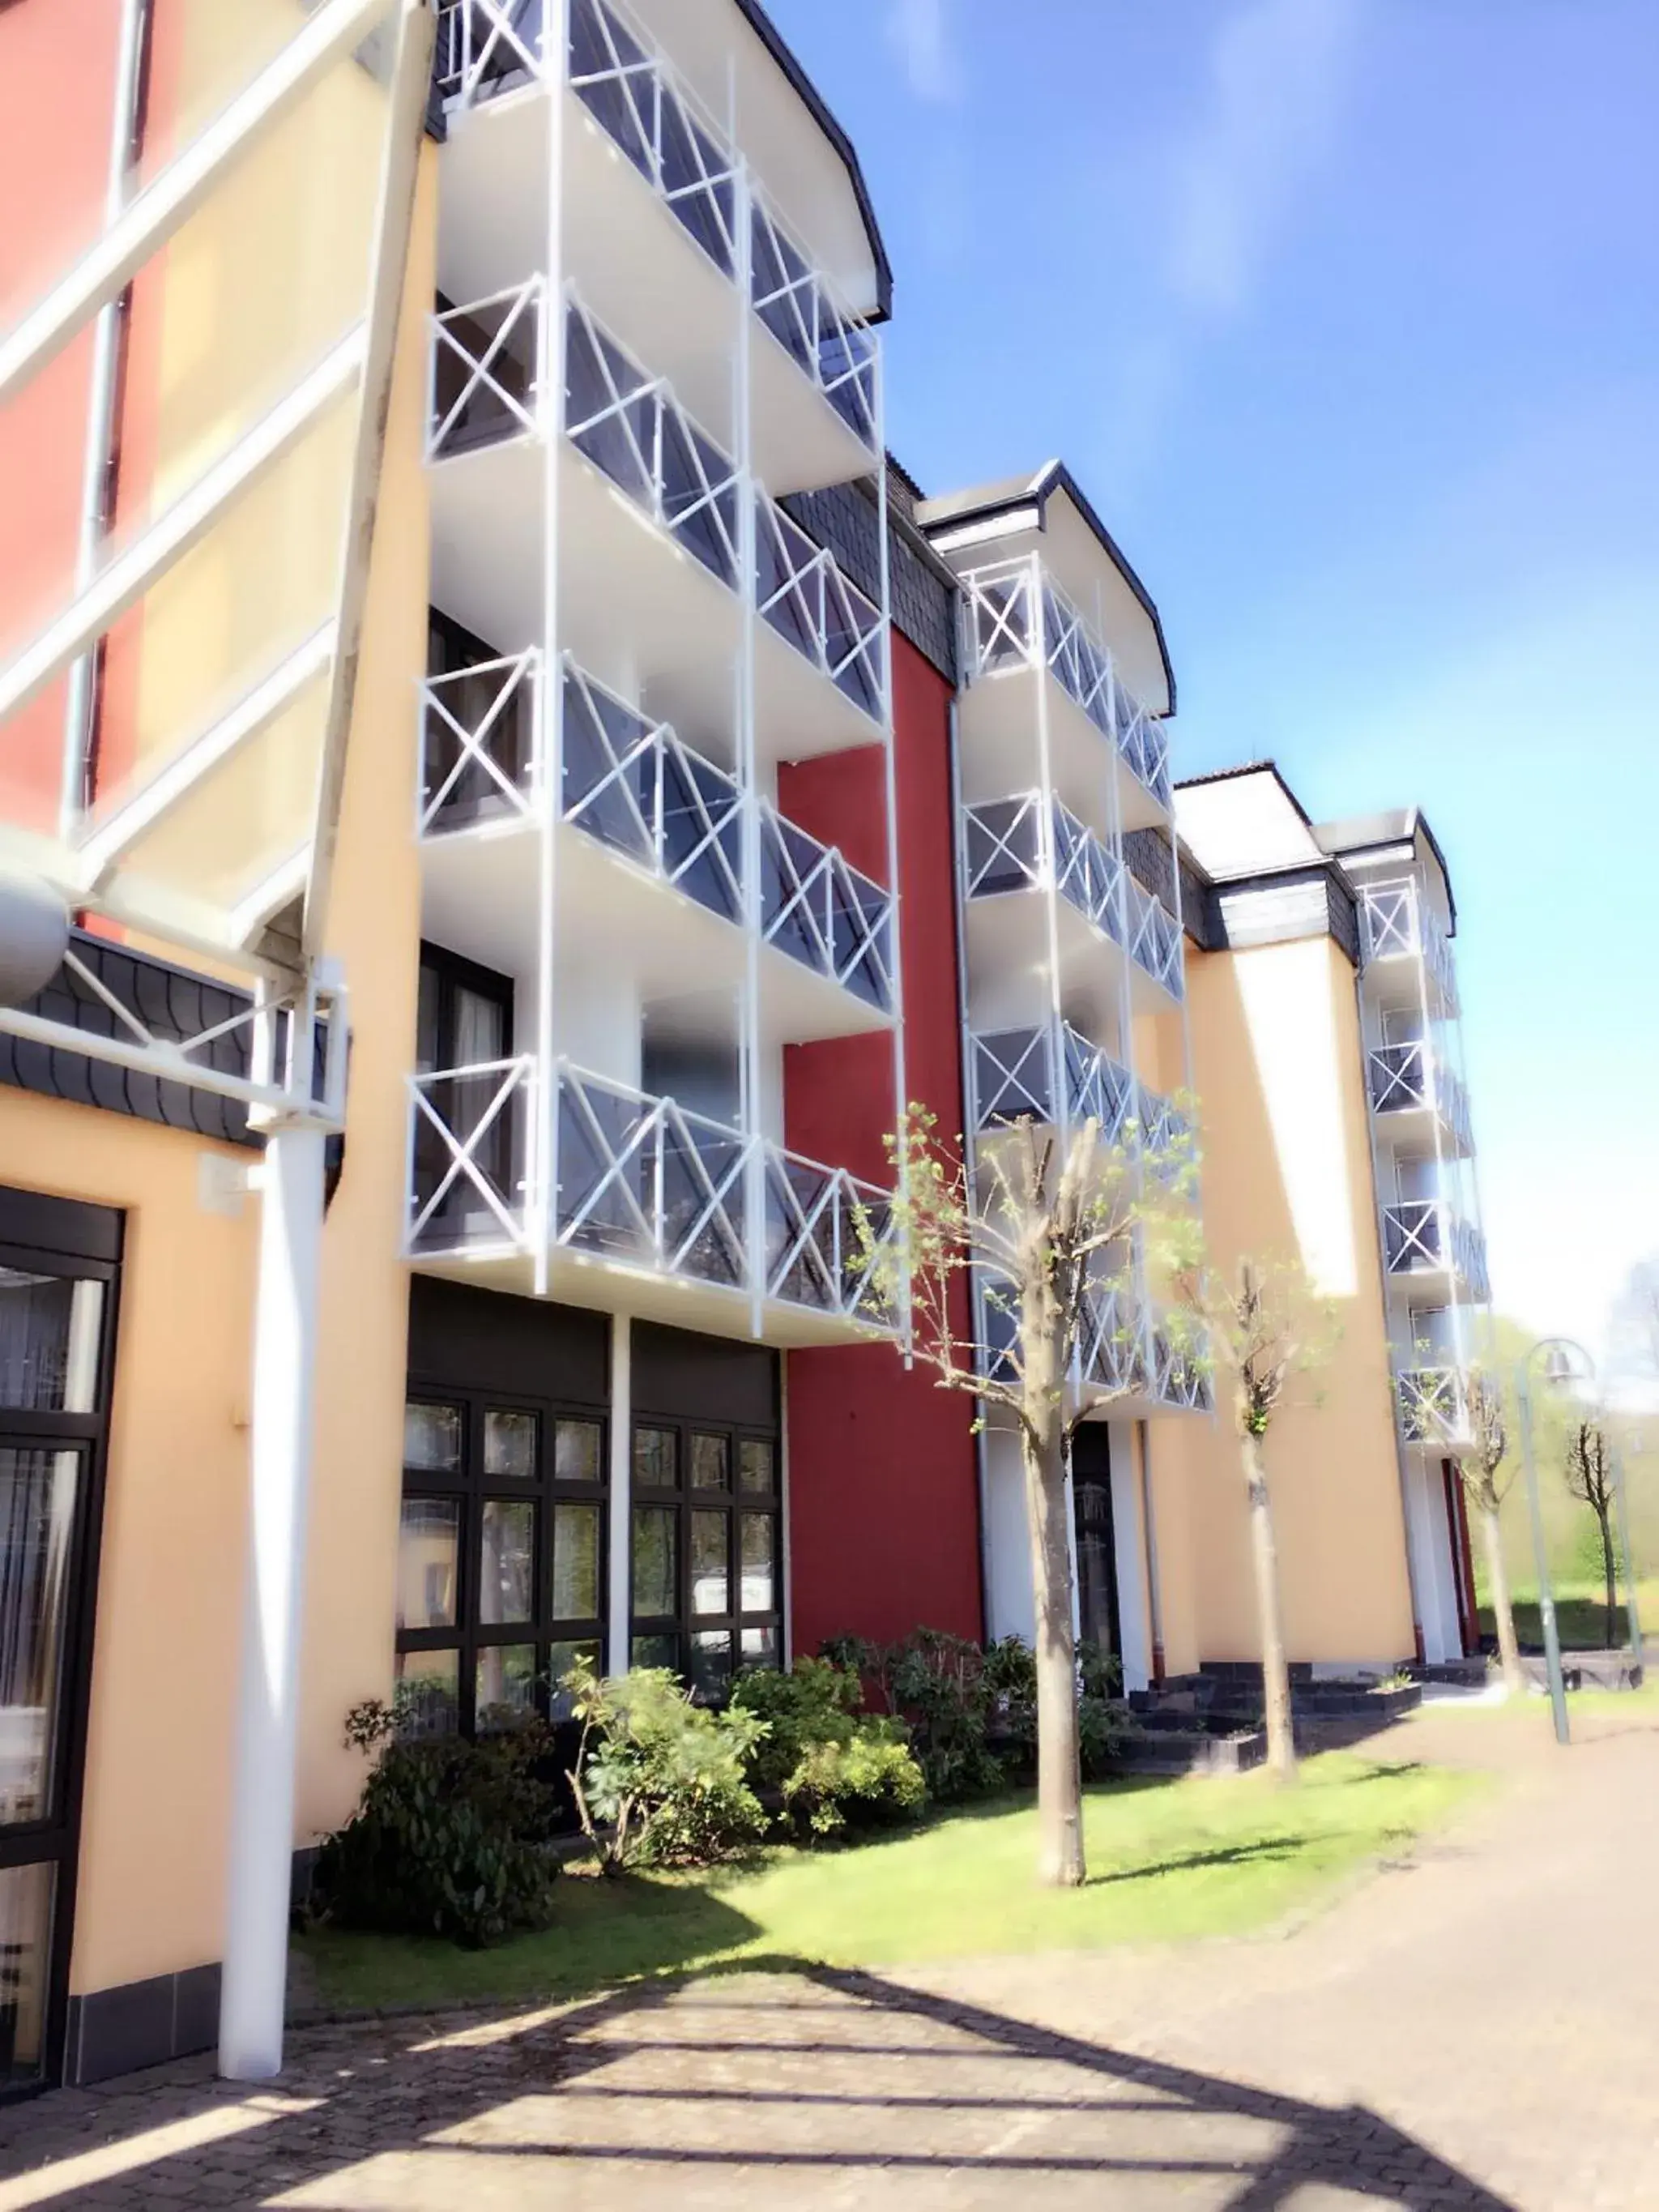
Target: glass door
(54,1397)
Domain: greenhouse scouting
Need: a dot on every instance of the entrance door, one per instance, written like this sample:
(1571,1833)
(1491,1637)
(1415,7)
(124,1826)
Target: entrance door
(55,1340)
(1098,1619)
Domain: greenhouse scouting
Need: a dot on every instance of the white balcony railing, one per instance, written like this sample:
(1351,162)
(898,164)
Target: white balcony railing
(1014,616)
(488,385)
(1435,1406)
(641,1182)
(631,783)
(1429,1236)
(822,912)
(488,47)
(1397,923)
(1123,1347)
(1034,843)
(1018,1074)
(1413,1077)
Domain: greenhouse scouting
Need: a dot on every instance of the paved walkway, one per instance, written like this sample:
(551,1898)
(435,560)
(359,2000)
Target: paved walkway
(1475,2028)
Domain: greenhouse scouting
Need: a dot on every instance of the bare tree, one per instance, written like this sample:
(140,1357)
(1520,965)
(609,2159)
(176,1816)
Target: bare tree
(1052,1231)
(1265,1327)
(1486,1484)
(1590,1479)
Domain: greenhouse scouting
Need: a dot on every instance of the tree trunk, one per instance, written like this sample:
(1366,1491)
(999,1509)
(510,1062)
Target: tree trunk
(1059,1776)
(1275,1674)
(1610,1573)
(1498,1581)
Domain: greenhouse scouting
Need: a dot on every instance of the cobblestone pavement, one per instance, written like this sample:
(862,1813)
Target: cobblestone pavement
(1475,2028)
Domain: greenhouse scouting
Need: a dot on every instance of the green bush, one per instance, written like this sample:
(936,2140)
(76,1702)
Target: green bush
(833,1766)
(658,1780)
(451,1838)
(972,1710)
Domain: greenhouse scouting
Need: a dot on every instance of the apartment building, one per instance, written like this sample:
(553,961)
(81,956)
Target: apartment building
(712,792)
(1328,1059)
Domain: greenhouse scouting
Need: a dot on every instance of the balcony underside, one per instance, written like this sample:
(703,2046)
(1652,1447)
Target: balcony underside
(999,721)
(606,1286)
(638,269)
(639,611)
(1404,980)
(1412,1128)
(1009,959)
(481,897)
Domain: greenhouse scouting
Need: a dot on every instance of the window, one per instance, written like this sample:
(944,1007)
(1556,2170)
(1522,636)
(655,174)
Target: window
(500,1582)
(706,1554)
(463,1040)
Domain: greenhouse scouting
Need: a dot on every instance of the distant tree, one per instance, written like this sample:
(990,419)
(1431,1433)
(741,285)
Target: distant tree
(1264,1327)
(1590,1479)
(1633,1334)
(1052,1230)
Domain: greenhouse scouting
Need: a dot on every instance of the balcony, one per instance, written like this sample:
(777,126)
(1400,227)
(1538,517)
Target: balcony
(663,601)
(1018,626)
(1428,1237)
(643,1185)
(1434,1407)
(1126,1359)
(662,199)
(1411,1085)
(630,786)
(1034,843)
(1398,925)
(1020,1074)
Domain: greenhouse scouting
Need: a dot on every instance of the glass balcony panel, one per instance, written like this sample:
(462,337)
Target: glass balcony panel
(471,1129)
(478,744)
(485,47)
(801,593)
(1011,1078)
(486,372)
(823,913)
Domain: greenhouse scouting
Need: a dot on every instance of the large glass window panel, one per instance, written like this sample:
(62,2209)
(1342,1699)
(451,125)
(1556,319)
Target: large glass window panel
(576,1563)
(49,1337)
(38,1493)
(656,1459)
(760,1647)
(711,1462)
(506,1562)
(656,1561)
(504,1687)
(510,1445)
(656,1651)
(429,1694)
(578,1451)
(26,1907)
(432,1439)
(561,1658)
(759,1538)
(710,1576)
(429,1562)
(711,1661)
(755,1467)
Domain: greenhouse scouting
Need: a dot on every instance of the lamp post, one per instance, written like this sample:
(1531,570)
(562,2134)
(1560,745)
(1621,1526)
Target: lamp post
(1558,1368)
(1632,1617)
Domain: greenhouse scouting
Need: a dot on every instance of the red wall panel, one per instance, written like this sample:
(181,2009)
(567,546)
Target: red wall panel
(884,1511)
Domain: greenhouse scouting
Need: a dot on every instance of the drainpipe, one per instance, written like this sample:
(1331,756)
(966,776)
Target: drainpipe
(981,1478)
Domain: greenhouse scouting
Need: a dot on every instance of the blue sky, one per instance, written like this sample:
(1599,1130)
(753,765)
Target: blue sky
(1346,313)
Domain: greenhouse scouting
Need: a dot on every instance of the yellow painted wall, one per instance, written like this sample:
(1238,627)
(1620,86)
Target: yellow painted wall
(167,1638)
(1286,1174)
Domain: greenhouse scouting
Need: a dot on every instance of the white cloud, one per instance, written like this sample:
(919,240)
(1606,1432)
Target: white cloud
(1278,74)
(918,32)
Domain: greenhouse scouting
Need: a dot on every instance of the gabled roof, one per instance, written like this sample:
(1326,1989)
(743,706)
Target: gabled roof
(772,39)
(983,501)
(1395,825)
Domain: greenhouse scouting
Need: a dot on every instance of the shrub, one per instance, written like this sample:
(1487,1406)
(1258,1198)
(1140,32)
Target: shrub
(450,1839)
(833,1766)
(664,1775)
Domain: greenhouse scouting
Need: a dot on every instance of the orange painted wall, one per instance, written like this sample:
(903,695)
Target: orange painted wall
(1286,1174)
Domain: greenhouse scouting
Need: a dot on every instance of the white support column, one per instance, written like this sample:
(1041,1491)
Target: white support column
(619,1592)
(254,1986)
(749,1098)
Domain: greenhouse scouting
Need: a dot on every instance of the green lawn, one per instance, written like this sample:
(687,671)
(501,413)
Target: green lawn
(1580,1614)
(1167,1861)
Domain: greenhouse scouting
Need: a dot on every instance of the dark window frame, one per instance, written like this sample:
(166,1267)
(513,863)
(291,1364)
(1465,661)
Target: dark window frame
(454,971)
(473,1488)
(57,1839)
(733,1502)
